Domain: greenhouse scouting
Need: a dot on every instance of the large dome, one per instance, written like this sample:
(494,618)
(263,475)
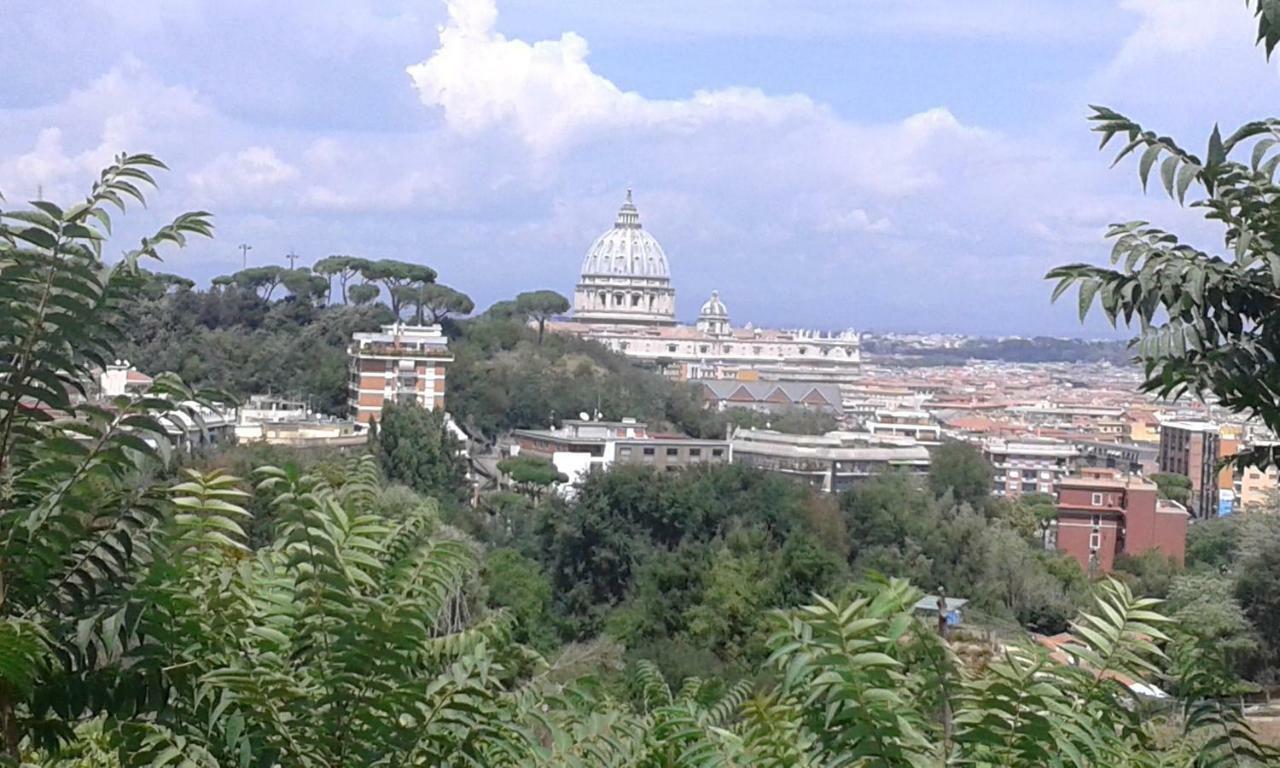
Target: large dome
(626,250)
(625,278)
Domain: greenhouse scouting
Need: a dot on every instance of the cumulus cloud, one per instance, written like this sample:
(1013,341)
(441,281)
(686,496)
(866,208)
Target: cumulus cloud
(547,92)
(250,170)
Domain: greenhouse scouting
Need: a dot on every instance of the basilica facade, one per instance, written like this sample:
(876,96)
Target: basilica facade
(624,299)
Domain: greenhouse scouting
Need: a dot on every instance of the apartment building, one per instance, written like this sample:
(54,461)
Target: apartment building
(1103,514)
(1028,465)
(1192,449)
(400,364)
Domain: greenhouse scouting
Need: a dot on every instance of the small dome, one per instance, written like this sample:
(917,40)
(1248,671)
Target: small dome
(626,250)
(714,307)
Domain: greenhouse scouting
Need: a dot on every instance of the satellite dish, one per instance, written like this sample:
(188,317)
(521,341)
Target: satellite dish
(584,416)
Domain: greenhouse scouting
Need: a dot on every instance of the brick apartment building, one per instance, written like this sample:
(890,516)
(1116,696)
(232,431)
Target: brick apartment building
(401,364)
(1192,448)
(1103,514)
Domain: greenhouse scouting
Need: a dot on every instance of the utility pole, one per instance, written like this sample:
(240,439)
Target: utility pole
(292,257)
(244,254)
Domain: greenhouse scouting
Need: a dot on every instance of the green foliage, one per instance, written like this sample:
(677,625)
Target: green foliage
(518,584)
(363,294)
(1206,320)
(1149,574)
(342,267)
(959,467)
(541,306)
(82,525)
(532,475)
(395,276)
(414,447)
(264,279)
(1173,487)
(434,302)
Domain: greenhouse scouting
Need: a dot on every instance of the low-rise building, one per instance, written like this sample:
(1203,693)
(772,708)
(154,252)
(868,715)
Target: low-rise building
(1103,514)
(1028,465)
(1131,458)
(771,396)
(918,425)
(832,462)
(577,447)
(400,364)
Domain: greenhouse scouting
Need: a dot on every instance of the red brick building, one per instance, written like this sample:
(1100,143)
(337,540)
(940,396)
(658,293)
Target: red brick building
(1103,514)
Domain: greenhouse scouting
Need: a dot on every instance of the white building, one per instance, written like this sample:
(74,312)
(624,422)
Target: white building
(1029,466)
(625,300)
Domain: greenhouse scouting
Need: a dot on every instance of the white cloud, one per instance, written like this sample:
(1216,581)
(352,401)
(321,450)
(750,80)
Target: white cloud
(548,93)
(247,171)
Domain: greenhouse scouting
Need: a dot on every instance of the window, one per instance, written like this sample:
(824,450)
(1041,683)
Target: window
(672,467)
(1096,521)
(1095,541)
(624,452)
(635,299)
(671,347)
(704,349)
(717,452)
(695,451)
(673,451)
(1096,500)
(648,451)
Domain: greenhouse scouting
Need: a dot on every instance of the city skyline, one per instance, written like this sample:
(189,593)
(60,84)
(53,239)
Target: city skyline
(831,166)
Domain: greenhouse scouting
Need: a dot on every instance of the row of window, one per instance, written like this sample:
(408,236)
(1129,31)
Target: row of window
(625,452)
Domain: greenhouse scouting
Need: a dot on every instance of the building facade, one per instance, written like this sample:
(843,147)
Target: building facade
(578,447)
(625,300)
(1103,514)
(1192,449)
(400,364)
(1028,466)
(831,463)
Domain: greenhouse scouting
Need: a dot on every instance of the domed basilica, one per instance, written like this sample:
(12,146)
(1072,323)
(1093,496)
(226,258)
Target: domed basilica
(624,300)
(625,277)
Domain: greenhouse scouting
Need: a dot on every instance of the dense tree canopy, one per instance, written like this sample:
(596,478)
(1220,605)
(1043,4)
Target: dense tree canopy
(414,447)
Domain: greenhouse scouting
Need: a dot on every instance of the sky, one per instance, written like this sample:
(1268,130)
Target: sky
(870,164)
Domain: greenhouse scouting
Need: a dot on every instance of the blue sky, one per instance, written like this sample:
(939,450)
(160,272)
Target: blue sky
(877,164)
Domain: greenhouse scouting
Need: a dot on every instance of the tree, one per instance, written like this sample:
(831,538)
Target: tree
(518,584)
(395,275)
(340,266)
(532,475)
(541,306)
(1172,487)
(264,279)
(960,468)
(414,447)
(305,286)
(83,520)
(442,301)
(361,295)
(1208,322)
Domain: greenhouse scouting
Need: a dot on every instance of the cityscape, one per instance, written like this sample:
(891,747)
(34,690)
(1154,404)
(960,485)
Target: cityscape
(593,423)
